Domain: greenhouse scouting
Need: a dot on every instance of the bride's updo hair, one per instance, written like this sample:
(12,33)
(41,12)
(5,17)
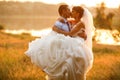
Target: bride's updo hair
(78,9)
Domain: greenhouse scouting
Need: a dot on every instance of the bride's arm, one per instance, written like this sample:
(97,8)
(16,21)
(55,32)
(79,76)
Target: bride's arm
(83,34)
(74,30)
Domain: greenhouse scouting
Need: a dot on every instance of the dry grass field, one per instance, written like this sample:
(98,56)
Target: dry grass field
(15,65)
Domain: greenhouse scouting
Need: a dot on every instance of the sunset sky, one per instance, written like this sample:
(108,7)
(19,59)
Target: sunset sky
(89,3)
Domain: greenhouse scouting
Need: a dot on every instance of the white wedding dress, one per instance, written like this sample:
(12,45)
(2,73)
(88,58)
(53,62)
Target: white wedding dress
(61,57)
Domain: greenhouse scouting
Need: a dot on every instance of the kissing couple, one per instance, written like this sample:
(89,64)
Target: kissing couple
(66,52)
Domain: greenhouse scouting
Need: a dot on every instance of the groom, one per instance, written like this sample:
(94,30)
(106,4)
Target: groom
(62,24)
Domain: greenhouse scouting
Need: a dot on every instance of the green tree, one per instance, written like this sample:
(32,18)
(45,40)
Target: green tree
(109,19)
(102,20)
(100,17)
(116,21)
(1,27)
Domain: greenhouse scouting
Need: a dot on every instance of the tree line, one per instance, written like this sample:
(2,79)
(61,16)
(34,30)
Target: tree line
(107,20)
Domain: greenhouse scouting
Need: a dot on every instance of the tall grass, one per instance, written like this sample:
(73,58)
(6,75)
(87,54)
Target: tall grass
(106,63)
(15,65)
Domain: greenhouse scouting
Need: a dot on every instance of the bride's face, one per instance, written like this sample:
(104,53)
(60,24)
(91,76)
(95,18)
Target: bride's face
(74,14)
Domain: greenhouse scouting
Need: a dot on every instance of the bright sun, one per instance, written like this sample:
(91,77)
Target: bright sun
(89,3)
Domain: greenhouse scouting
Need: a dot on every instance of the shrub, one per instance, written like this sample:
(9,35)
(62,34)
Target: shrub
(1,27)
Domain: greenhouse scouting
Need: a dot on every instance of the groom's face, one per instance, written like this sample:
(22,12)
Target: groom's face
(66,13)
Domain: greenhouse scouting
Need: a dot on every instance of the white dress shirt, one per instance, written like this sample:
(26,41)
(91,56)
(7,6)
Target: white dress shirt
(63,26)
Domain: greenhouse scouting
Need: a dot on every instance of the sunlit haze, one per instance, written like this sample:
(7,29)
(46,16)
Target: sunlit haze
(102,36)
(88,3)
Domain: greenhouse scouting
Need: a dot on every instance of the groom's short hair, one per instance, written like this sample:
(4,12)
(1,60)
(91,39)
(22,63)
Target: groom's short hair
(61,8)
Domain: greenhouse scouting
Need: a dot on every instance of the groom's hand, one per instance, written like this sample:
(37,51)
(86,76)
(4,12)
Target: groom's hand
(83,35)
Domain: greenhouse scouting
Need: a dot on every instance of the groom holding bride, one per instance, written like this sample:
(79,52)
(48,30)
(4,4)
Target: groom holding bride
(66,52)
(62,25)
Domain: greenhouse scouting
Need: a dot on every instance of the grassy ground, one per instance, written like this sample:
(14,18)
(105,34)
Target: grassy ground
(15,65)
(106,63)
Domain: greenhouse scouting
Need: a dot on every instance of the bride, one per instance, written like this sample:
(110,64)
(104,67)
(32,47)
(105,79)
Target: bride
(64,57)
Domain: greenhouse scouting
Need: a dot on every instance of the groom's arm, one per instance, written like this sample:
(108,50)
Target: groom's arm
(83,34)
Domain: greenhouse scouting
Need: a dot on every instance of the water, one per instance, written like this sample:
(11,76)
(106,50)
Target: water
(111,37)
(100,36)
(36,33)
(17,22)
(40,26)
